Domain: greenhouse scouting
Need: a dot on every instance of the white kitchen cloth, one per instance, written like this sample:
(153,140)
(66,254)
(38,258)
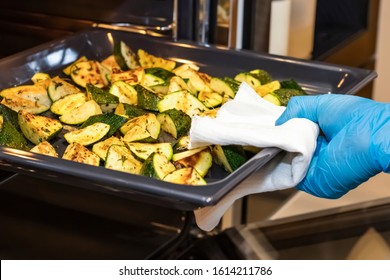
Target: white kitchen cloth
(248,119)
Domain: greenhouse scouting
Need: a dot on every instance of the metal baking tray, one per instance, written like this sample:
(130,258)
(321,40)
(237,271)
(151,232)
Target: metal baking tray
(96,43)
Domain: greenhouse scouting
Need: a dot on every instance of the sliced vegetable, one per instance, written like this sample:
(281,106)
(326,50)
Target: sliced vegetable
(59,88)
(197,80)
(129,111)
(230,157)
(124,56)
(31,98)
(38,128)
(285,94)
(115,122)
(120,158)
(263,90)
(145,128)
(248,78)
(185,176)
(110,63)
(263,76)
(210,99)
(80,114)
(68,103)
(157,165)
(160,73)
(78,153)
(273,98)
(45,148)
(201,159)
(226,87)
(143,150)
(88,135)
(174,122)
(147,60)
(88,72)
(146,99)
(42,79)
(104,98)
(125,92)
(182,100)
(101,148)
(131,77)
(66,70)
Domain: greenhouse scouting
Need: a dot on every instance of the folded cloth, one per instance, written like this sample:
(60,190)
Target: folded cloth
(248,119)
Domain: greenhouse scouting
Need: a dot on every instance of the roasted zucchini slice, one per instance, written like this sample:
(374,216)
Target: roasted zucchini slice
(263,90)
(210,99)
(68,103)
(147,60)
(38,128)
(101,148)
(157,165)
(178,84)
(230,157)
(143,150)
(89,72)
(197,80)
(129,111)
(30,98)
(263,76)
(78,153)
(120,158)
(104,98)
(115,121)
(45,148)
(156,76)
(182,100)
(184,67)
(181,144)
(110,63)
(124,56)
(81,113)
(88,135)
(147,99)
(131,77)
(273,98)
(174,122)
(227,87)
(66,70)
(145,128)
(201,159)
(10,134)
(248,78)
(42,79)
(185,176)
(125,92)
(59,88)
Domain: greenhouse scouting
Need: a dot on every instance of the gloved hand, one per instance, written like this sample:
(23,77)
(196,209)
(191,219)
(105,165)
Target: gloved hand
(355,144)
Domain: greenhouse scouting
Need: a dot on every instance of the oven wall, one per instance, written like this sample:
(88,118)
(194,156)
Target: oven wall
(24,23)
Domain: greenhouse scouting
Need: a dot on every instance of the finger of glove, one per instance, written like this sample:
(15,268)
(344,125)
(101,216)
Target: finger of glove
(300,107)
(332,112)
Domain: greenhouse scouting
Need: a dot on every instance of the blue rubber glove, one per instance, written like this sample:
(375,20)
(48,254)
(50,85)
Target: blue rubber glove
(355,144)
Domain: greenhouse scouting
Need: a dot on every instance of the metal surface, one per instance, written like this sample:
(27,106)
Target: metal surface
(97,44)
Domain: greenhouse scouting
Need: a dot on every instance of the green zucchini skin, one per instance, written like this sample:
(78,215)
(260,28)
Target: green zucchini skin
(147,100)
(157,165)
(230,157)
(174,122)
(124,56)
(113,120)
(38,128)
